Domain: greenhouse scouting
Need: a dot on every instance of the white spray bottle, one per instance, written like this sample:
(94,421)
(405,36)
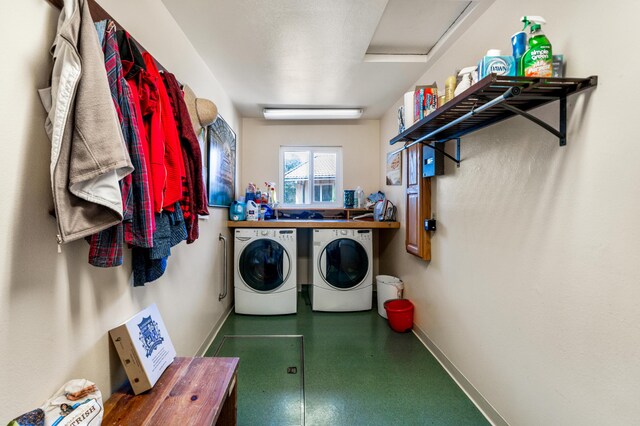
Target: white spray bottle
(469,76)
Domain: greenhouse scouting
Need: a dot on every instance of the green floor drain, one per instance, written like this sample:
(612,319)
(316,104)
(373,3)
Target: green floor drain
(267,396)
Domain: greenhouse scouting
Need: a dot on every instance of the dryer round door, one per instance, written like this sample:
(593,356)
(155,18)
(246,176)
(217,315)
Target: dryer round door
(344,263)
(264,265)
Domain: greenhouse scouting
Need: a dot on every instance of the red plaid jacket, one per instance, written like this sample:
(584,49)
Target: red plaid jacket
(194,201)
(137,226)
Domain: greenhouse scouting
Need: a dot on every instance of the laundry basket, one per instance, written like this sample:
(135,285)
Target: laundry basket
(388,288)
(400,313)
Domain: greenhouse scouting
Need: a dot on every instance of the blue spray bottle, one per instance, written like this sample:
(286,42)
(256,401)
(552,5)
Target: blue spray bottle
(519,45)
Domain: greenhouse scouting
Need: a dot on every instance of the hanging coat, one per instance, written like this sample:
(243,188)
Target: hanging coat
(136,228)
(149,264)
(88,155)
(145,98)
(194,201)
(172,153)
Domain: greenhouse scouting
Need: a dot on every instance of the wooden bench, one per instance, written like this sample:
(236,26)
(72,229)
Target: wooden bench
(192,391)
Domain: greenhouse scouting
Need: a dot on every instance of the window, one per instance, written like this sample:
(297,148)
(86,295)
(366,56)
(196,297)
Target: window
(310,175)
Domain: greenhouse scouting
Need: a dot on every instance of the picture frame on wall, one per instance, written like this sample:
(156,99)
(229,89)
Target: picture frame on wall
(394,168)
(221,163)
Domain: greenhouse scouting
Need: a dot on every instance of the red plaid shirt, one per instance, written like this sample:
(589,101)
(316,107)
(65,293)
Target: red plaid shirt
(137,226)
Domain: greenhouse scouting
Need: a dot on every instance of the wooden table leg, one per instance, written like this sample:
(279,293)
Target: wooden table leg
(229,411)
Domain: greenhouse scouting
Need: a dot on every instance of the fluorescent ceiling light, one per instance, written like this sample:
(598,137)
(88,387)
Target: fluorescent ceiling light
(394,58)
(312,113)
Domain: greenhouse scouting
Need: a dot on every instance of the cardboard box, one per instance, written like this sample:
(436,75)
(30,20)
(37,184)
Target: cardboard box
(144,347)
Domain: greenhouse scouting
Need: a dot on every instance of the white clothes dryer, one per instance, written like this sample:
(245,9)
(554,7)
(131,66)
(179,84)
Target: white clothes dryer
(342,270)
(265,271)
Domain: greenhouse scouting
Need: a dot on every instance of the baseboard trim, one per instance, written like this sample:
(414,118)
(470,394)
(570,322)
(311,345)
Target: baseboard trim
(214,332)
(474,395)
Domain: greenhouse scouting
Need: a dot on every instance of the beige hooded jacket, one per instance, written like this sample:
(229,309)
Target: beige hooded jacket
(88,152)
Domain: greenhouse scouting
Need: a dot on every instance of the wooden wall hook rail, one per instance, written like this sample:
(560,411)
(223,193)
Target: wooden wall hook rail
(99,14)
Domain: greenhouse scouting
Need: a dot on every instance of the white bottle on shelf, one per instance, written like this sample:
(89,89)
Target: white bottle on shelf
(359,198)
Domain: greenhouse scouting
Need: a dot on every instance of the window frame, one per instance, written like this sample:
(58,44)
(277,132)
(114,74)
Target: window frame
(320,187)
(337,150)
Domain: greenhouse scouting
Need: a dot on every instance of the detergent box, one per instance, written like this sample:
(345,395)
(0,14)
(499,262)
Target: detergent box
(144,347)
(498,64)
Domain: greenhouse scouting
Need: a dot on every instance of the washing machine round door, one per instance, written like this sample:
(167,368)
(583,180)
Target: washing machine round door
(344,263)
(264,265)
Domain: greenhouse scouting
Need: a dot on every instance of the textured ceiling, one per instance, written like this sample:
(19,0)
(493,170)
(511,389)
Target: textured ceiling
(305,53)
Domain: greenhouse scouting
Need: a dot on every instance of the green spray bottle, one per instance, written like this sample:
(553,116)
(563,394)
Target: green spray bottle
(537,61)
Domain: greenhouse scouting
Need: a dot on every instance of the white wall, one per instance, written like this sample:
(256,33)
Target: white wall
(56,309)
(532,291)
(358,139)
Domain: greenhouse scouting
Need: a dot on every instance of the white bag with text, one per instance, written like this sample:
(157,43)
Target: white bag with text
(77,403)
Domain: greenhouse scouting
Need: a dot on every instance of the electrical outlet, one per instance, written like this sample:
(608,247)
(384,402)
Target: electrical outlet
(430,224)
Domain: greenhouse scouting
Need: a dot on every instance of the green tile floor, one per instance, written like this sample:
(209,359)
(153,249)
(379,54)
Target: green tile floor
(356,371)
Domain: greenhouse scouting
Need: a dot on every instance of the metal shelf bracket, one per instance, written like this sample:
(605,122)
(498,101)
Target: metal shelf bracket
(560,133)
(435,147)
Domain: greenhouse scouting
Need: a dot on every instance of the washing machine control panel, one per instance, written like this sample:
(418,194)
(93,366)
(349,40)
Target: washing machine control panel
(278,234)
(262,232)
(287,235)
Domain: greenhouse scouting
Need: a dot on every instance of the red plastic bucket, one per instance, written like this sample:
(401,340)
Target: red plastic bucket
(400,314)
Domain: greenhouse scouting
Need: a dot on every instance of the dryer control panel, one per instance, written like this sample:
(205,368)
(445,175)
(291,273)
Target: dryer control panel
(331,234)
(362,234)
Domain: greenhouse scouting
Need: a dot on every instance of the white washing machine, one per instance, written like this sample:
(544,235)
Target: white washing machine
(265,271)
(342,270)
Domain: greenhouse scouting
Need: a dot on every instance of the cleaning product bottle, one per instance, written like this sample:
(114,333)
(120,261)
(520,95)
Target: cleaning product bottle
(252,211)
(250,194)
(519,46)
(359,198)
(237,211)
(449,88)
(273,197)
(537,61)
(466,80)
